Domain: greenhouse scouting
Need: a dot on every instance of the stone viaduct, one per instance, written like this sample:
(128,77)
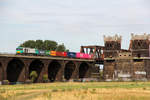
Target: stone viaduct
(16,68)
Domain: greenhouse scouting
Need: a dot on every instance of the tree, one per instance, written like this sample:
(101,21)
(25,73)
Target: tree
(67,50)
(29,43)
(61,48)
(33,76)
(39,44)
(44,45)
(45,78)
(50,45)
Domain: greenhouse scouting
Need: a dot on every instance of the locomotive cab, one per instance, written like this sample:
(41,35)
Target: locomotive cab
(19,50)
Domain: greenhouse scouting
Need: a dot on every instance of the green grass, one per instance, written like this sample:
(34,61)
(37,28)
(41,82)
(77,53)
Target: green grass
(76,85)
(82,90)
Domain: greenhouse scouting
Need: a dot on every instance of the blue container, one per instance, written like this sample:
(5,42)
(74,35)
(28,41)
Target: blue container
(71,54)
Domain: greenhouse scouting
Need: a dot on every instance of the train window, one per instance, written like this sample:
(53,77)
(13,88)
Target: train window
(19,49)
(26,50)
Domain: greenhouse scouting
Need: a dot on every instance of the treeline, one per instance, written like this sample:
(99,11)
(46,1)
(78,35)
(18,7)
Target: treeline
(44,45)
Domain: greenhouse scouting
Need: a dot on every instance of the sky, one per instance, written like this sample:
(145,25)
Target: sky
(72,22)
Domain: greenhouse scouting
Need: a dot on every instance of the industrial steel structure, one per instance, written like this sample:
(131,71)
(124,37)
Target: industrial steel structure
(96,51)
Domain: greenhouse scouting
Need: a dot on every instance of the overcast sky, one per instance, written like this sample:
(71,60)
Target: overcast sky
(72,22)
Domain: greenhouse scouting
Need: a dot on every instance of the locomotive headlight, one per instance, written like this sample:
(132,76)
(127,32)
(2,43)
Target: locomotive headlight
(18,51)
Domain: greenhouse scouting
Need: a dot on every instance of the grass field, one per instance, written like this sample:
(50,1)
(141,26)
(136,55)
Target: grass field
(77,91)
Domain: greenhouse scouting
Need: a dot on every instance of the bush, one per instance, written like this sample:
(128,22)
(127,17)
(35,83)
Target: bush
(5,82)
(101,74)
(45,78)
(33,76)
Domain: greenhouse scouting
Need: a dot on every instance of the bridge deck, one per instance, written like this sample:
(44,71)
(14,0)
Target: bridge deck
(45,57)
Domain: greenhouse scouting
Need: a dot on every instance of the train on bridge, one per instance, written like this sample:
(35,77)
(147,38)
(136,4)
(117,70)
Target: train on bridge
(36,52)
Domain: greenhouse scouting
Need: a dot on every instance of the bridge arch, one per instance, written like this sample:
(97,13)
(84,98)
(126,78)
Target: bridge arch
(83,70)
(53,70)
(36,65)
(69,69)
(14,69)
(1,72)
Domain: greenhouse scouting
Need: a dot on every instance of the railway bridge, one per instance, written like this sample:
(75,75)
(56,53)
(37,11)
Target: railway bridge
(119,64)
(17,68)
